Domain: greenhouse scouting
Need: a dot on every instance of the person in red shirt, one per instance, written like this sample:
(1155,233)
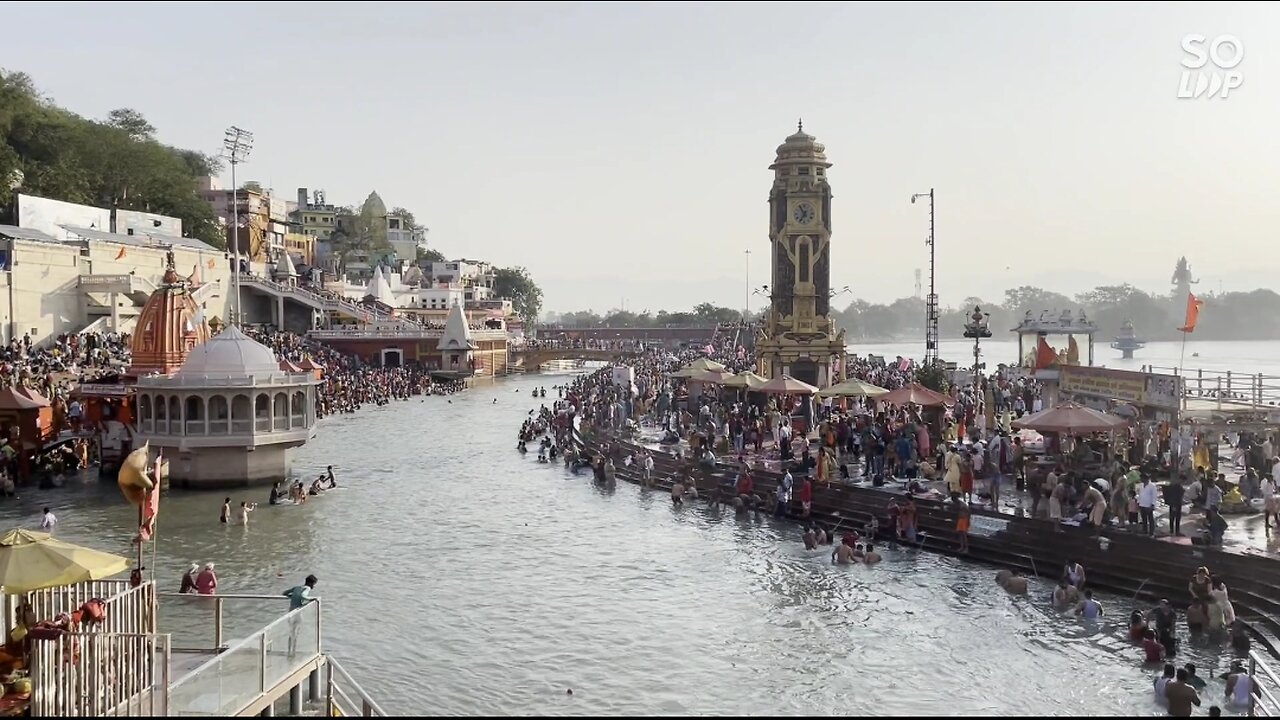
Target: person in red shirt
(806,497)
(1152,647)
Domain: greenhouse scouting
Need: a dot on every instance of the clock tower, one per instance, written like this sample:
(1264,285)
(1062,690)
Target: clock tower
(799,338)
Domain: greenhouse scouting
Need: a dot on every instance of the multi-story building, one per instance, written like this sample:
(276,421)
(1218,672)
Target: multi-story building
(404,239)
(314,216)
(253,238)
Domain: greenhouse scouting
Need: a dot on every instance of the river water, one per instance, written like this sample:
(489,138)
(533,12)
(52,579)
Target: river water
(459,577)
(1248,357)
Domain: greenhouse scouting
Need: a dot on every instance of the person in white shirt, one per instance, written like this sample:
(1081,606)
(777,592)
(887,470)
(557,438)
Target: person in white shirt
(1147,495)
(1271,502)
(783,495)
(49,521)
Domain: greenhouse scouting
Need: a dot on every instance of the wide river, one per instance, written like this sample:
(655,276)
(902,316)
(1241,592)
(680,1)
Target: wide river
(459,577)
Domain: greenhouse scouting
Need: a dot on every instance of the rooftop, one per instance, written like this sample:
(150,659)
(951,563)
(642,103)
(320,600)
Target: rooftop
(139,240)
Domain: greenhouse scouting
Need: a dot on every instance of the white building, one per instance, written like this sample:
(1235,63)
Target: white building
(62,270)
(230,416)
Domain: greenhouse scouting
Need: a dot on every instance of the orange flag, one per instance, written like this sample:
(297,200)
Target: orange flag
(1193,313)
(120,255)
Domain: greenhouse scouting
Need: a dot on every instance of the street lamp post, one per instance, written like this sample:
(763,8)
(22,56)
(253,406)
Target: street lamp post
(978,328)
(236,146)
(746,309)
(931,302)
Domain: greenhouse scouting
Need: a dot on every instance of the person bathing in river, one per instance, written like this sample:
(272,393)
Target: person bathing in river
(1089,608)
(1065,596)
(245,509)
(1074,574)
(843,554)
(276,495)
(188,585)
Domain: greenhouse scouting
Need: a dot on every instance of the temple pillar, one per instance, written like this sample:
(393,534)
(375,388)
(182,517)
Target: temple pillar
(280,312)
(115,312)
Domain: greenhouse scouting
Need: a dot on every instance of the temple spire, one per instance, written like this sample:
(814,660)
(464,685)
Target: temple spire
(800,125)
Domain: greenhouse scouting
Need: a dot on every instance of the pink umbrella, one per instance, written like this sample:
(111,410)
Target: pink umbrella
(1070,418)
(916,394)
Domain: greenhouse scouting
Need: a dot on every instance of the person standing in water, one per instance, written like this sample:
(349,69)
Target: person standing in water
(962,525)
(1090,609)
(189,580)
(245,509)
(49,521)
(225,517)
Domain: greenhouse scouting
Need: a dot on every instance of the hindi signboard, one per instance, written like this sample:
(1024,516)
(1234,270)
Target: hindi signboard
(1123,385)
(107,283)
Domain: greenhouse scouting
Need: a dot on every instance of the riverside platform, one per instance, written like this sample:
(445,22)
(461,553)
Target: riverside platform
(128,666)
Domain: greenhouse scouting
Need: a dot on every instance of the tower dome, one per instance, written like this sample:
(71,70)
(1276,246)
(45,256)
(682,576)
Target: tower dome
(230,354)
(168,328)
(801,148)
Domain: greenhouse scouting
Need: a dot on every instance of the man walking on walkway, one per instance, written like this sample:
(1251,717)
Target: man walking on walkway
(299,596)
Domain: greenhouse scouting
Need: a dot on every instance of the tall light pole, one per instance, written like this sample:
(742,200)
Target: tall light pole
(978,327)
(746,308)
(236,146)
(931,301)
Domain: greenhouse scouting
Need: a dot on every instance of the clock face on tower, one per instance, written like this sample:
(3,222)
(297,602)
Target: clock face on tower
(804,213)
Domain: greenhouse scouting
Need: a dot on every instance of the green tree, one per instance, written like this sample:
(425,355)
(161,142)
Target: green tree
(515,284)
(1021,299)
(132,123)
(60,155)
(428,255)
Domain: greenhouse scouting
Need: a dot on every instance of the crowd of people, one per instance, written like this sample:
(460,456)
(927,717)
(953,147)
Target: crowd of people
(348,383)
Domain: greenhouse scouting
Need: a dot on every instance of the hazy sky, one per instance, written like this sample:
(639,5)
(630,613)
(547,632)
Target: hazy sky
(621,151)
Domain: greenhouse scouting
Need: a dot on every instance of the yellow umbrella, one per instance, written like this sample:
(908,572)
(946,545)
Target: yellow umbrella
(745,379)
(854,388)
(34,560)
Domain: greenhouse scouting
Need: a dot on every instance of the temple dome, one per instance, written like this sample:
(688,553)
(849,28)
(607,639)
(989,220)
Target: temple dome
(230,354)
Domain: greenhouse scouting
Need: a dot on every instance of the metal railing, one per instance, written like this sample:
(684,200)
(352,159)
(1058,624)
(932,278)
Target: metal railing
(98,674)
(1226,387)
(246,671)
(128,609)
(344,696)
(1264,702)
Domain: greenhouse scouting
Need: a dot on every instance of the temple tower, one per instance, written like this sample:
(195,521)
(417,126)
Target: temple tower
(170,326)
(799,338)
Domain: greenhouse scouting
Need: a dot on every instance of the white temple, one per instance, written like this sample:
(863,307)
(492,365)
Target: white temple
(229,416)
(455,345)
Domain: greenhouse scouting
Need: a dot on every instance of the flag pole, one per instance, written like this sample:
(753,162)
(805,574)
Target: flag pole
(1182,355)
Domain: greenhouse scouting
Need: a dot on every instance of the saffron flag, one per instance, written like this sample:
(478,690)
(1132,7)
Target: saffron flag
(120,255)
(151,505)
(1193,313)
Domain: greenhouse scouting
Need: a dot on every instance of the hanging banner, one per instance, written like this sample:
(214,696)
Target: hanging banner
(1124,385)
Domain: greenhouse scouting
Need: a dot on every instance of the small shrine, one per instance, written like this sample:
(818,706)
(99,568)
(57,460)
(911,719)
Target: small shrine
(455,346)
(231,414)
(1047,324)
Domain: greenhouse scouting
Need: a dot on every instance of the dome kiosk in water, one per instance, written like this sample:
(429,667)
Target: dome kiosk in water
(230,416)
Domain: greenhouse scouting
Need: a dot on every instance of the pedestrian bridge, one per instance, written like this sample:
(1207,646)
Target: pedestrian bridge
(531,359)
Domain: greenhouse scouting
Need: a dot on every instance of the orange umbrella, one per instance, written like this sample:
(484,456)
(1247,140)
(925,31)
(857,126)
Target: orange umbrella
(1070,418)
(916,394)
(787,385)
